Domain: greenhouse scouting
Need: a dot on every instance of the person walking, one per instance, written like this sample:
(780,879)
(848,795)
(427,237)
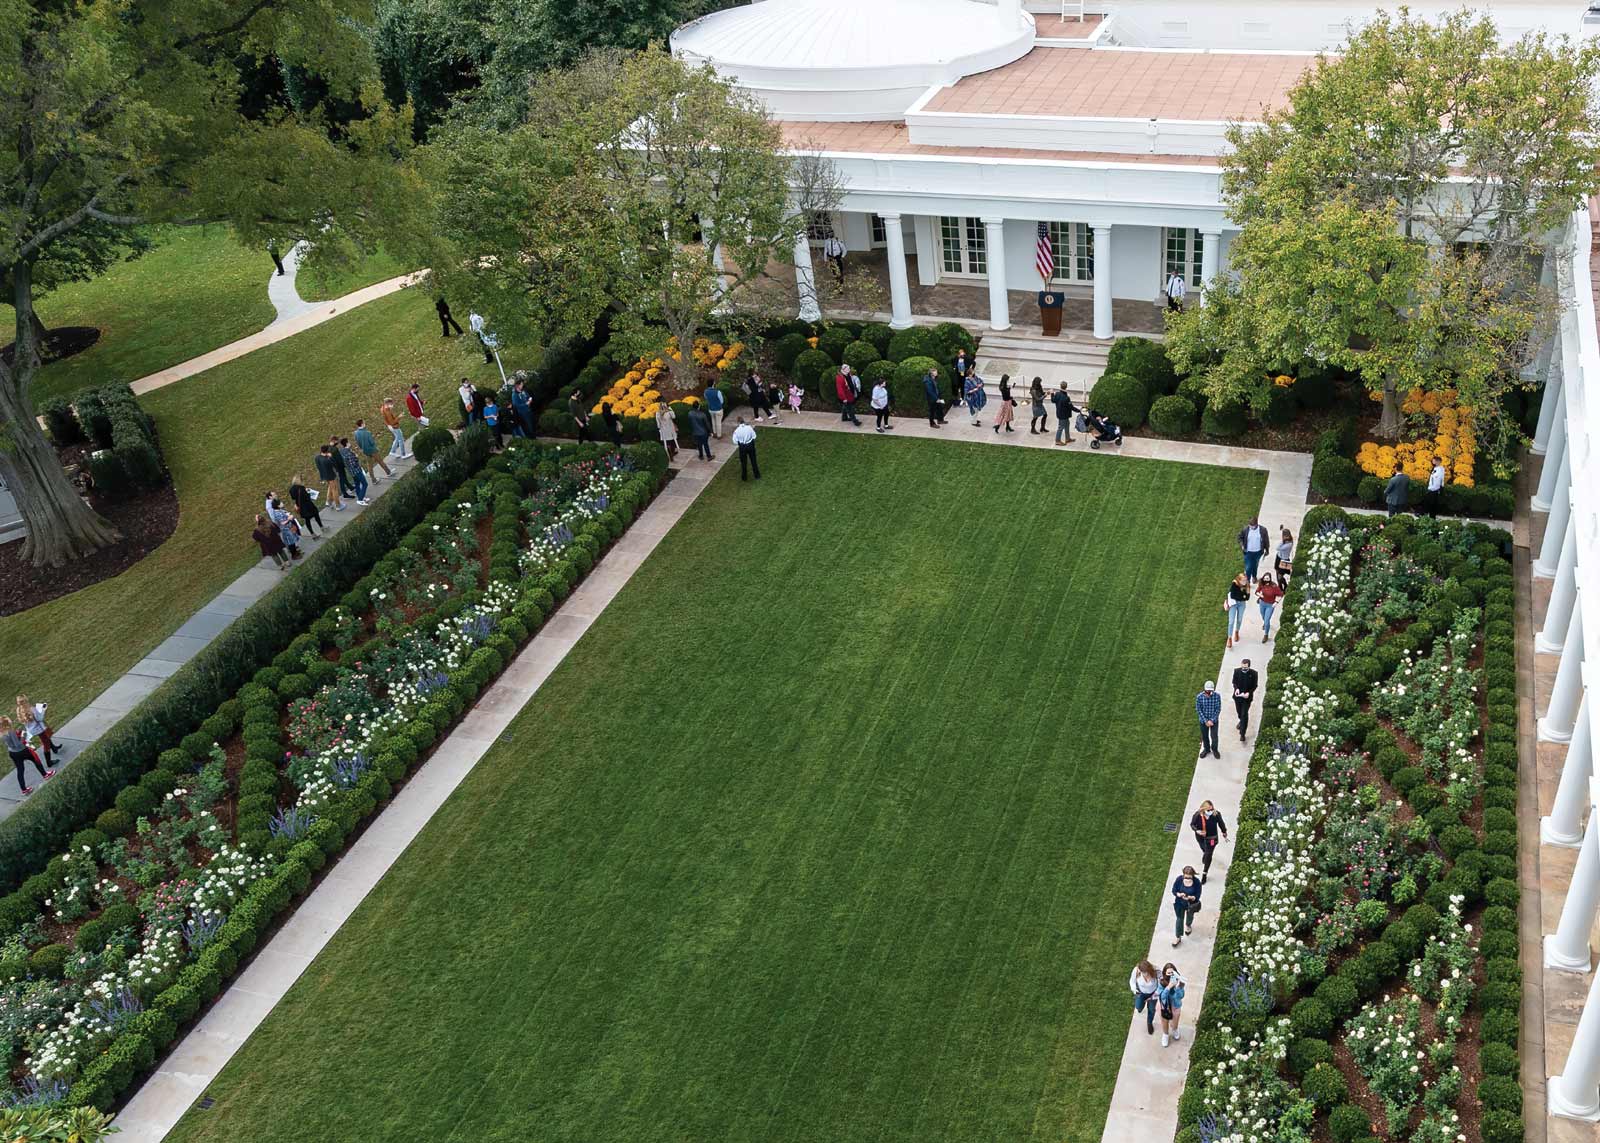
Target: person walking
(415,405)
(352,464)
(613,423)
(1185,904)
(1176,289)
(1283,559)
(1209,831)
(1208,708)
(306,506)
(1144,982)
(847,396)
(491,417)
(930,389)
(700,426)
(1008,404)
(794,397)
(346,484)
(1245,681)
(521,407)
(1253,541)
(714,407)
(760,403)
(960,368)
(667,428)
(288,530)
(391,421)
(270,542)
(975,397)
(1436,475)
(578,408)
(446,321)
(1064,410)
(369,449)
(1233,606)
(833,250)
(880,405)
(1267,596)
(328,474)
(744,437)
(35,725)
(277,260)
(480,329)
(469,403)
(1170,997)
(1039,422)
(1396,492)
(17,747)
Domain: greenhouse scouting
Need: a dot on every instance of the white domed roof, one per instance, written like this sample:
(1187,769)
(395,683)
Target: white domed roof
(854,59)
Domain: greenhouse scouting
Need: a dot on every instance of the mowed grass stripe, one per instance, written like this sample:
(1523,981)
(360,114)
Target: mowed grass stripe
(842,822)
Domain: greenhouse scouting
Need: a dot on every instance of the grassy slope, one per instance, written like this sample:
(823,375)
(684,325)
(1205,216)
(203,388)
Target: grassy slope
(196,290)
(317,284)
(838,825)
(228,435)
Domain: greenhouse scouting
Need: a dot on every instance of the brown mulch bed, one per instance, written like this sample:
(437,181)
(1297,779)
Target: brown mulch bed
(59,343)
(145,523)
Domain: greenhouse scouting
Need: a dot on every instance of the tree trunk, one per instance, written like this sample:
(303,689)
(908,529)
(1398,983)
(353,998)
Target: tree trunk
(1389,422)
(61,526)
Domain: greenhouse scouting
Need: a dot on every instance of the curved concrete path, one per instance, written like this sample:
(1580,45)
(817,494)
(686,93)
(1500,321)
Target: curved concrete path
(282,291)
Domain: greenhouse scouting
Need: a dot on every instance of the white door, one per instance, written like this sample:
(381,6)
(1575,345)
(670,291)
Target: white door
(962,250)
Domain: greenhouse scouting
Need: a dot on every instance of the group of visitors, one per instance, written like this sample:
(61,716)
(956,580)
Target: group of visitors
(25,736)
(1398,490)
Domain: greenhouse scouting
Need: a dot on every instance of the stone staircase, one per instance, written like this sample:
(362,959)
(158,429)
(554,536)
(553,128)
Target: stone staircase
(1075,358)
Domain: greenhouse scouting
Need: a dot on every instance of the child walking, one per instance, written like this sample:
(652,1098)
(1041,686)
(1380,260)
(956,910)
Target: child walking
(31,717)
(21,752)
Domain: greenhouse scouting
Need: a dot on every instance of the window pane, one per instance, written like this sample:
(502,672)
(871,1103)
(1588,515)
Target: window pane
(977,260)
(950,244)
(878,232)
(1085,252)
(1061,250)
(1196,253)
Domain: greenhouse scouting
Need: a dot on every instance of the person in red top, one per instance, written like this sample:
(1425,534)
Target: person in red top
(847,396)
(1267,596)
(414,404)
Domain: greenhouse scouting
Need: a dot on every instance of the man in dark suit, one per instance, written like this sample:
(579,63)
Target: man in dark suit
(1245,681)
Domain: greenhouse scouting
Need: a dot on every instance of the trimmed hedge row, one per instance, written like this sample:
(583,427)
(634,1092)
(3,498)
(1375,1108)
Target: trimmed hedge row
(127,456)
(199,690)
(395,754)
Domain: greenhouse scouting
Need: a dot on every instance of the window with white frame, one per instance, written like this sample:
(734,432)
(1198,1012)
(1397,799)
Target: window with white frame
(1072,245)
(880,233)
(819,225)
(1183,251)
(962,248)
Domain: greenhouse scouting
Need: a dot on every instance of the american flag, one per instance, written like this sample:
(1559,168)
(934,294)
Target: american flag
(1044,258)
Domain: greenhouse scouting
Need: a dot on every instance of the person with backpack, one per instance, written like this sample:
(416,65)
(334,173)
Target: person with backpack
(1062,400)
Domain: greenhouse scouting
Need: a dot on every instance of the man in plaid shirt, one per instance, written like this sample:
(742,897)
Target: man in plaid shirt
(1208,705)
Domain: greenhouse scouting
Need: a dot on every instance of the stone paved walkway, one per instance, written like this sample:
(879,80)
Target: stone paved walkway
(1144,1106)
(185,643)
(282,291)
(199,1056)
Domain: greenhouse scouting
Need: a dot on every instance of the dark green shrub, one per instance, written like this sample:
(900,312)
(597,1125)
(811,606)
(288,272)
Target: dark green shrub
(814,372)
(1173,416)
(1499,1060)
(1335,476)
(1224,419)
(1370,489)
(1384,958)
(1457,839)
(1145,361)
(1338,996)
(49,961)
(913,342)
(91,936)
(860,354)
(1500,1093)
(1324,1086)
(1500,842)
(1407,778)
(1403,937)
(950,336)
(1347,1123)
(1501,1027)
(114,823)
(1307,1052)
(1121,398)
(786,349)
(1501,1127)
(430,442)
(1310,1017)
(136,801)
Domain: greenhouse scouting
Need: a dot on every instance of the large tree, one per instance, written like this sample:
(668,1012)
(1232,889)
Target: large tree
(635,184)
(1394,213)
(115,116)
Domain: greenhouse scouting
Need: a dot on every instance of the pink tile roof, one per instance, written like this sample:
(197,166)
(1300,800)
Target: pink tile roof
(1053,27)
(1128,84)
(893,139)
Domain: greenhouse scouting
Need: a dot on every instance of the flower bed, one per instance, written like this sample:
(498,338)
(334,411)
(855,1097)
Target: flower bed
(1365,980)
(125,936)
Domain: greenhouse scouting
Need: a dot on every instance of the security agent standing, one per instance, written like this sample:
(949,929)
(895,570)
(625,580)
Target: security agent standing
(744,436)
(1245,681)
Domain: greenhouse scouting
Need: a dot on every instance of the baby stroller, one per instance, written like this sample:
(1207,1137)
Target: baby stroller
(1104,429)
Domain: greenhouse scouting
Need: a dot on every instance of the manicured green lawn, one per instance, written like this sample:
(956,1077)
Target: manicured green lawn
(844,822)
(228,434)
(316,284)
(196,290)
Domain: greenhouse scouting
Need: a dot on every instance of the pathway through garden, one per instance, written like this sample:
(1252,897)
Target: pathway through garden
(281,289)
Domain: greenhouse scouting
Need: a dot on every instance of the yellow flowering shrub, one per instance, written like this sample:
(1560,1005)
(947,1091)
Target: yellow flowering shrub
(1442,427)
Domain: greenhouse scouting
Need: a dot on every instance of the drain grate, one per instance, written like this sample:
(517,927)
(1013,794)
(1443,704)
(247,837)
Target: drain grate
(1170,827)
(206,1103)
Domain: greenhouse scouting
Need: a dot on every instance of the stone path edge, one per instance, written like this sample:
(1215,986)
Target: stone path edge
(197,1058)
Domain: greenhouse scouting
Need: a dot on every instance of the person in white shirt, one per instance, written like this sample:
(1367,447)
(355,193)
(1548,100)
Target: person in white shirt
(468,401)
(1430,502)
(1176,288)
(744,436)
(481,328)
(833,251)
(880,404)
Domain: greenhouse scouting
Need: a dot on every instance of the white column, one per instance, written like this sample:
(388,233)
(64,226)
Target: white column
(1575,1093)
(1554,382)
(1563,594)
(1564,825)
(1555,453)
(1210,259)
(1567,948)
(994,246)
(805,283)
(899,286)
(1559,716)
(1555,524)
(1102,281)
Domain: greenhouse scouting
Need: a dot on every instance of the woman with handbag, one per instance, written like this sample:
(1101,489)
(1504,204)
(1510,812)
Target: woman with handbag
(1008,405)
(1039,422)
(1170,997)
(1185,903)
(1282,564)
(1233,606)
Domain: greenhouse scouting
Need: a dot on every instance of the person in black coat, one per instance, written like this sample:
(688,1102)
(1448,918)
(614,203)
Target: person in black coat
(1245,681)
(446,322)
(1209,831)
(305,507)
(608,414)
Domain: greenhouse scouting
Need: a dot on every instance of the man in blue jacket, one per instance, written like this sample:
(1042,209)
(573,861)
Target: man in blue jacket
(713,399)
(930,387)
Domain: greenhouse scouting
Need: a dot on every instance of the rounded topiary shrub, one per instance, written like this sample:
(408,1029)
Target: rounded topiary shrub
(136,801)
(1224,419)
(49,961)
(1307,1052)
(1347,1123)
(1281,408)
(1310,1017)
(905,387)
(950,337)
(1174,416)
(832,341)
(913,342)
(1335,476)
(878,335)
(114,823)
(814,371)
(1502,1127)
(861,354)
(787,348)
(1338,995)
(1499,1060)
(430,442)
(1324,1086)
(1145,361)
(1120,397)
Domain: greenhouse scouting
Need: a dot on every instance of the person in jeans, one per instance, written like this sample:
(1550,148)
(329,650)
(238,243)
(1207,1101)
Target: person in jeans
(369,451)
(31,717)
(1185,904)
(1245,681)
(1233,608)
(346,488)
(328,474)
(700,427)
(306,505)
(1209,831)
(1144,982)
(847,396)
(1267,596)
(1064,410)
(1170,996)
(1253,542)
(1208,708)
(1283,560)
(391,421)
(352,464)
(21,752)
(270,542)
(714,406)
(880,405)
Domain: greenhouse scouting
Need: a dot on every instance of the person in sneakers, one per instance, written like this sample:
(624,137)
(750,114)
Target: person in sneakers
(1064,410)
(31,717)
(880,404)
(352,466)
(1145,982)
(1170,997)
(1208,708)
(369,450)
(847,396)
(1209,831)
(760,403)
(328,473)
(1185,904)
(21,752)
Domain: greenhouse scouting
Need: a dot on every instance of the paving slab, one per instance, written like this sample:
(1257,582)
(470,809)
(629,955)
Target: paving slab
(155,668)
(205,624)
(179,648)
